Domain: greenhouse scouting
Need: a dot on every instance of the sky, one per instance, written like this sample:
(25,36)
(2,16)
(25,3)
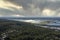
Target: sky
(29,8)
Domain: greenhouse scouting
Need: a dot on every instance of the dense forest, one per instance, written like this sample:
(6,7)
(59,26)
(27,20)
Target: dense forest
(17,30)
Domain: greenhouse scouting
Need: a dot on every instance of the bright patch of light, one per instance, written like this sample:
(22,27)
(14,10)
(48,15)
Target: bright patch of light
(17,15)
(48,12)
(31,21)
(7,5)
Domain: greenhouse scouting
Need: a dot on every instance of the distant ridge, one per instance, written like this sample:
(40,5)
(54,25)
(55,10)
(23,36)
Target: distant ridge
(32,18)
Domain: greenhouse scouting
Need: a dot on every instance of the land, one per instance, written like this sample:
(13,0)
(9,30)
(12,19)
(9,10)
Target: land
(17,30)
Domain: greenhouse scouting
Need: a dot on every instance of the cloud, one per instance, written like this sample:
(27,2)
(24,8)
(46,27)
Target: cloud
(48,12)
(46,8)
(7,5)
(24,3)
(9,9)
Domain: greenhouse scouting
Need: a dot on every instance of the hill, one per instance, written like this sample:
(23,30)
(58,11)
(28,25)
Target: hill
(17,30)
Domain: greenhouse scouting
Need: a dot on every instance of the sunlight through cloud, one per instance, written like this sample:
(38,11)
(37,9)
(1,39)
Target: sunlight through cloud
(7,5)
(48,12)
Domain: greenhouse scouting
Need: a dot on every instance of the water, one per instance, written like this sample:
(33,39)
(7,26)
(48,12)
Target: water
(52,24)
(49,22)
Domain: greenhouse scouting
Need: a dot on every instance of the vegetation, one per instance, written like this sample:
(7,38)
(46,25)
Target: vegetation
(15,30)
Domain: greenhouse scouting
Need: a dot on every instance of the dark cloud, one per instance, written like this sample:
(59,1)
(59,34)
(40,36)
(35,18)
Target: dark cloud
(47,4)
(38,3)
(39,6)
(23,3)
(5,11)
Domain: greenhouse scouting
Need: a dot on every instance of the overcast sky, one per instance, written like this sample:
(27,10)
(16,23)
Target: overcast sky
(31,8)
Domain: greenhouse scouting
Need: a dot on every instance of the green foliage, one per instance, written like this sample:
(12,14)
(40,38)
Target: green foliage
(26,31)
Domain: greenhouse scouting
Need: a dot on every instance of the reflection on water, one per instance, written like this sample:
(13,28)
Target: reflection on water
(52,24)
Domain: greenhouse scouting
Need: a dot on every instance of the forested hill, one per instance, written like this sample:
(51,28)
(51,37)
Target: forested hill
(17,30)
